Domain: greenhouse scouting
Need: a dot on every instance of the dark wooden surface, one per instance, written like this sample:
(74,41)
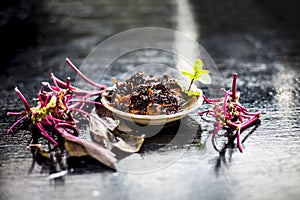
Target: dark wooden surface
(257,39)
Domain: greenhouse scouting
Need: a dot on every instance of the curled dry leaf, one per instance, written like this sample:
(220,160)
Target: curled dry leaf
(77,147)
(128,143)
(100,130)
(101,110)
(124,128)
(109,123)
(106,131)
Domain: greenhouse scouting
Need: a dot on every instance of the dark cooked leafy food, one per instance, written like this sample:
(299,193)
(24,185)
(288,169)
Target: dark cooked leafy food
(152,100)
(149,95)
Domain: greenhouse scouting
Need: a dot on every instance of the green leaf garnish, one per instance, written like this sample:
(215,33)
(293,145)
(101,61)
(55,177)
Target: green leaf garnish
(193,93)
(196,92)
(199,74)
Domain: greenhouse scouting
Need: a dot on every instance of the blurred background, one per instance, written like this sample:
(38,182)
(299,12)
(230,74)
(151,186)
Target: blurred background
(259,39)
(39,34)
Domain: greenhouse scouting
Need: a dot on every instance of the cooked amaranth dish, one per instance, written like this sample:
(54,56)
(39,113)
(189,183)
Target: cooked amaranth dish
(149,95)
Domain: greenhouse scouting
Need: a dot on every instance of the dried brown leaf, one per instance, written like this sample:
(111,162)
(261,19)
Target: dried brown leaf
(123,127)
(114,133)
(99,131)
(77,147)
(129,143)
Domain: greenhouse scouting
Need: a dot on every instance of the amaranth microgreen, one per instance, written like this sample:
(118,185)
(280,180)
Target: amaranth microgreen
(229,113)
(198,73)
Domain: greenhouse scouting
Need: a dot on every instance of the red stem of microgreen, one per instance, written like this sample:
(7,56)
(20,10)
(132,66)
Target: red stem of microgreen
(54,81)
(23,99)
(15,114)
(64,133)
(51,87)
(61,83)
(48,137)
(249,122)
(68,82)
(15,124)
(228,112)
(81,111)
(225,104)
(54,107)
(217,128)
(233,88)
(101,87)
(239,144)
(205,99)
(240,107)
(86,101)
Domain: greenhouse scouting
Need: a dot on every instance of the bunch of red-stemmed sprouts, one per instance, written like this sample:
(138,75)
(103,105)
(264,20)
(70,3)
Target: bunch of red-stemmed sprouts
(230,114)
(55,107)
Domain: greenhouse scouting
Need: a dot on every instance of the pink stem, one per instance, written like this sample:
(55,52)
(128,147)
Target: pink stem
(214,135)
(58,120)
(47,120)
(252,114)
(205,99)
(86,101)
(15,114)
(241,118)
(232,124)
(16,123)
(48,137)
(204,112)
(245,116)
(79,92)
(239,106)
(81,106)
(46,123)
(102,87)
(45,102)
(234,86)
(238,136)
(87,114)
(214,115)
(67,128)
(62,115)
(68,82)
(81,111)
(65,133)
(47,99)
(60,82)
(225,104)
(51,118)
(22,99)
(67,125)
(55,82)
(51,87)
(249,122)
(75,105)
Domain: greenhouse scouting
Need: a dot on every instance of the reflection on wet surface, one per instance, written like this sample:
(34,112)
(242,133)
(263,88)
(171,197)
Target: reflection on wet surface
(244,37)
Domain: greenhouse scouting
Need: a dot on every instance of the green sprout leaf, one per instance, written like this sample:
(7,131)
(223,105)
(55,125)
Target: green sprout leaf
(199,74)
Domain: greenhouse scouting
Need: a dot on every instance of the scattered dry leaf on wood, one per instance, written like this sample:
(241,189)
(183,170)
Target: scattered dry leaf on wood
(107,131)
(77,147)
